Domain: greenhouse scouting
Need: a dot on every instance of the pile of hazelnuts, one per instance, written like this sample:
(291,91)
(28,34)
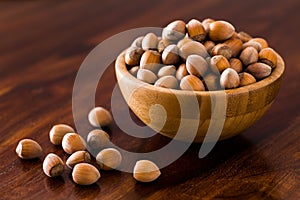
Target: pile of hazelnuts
(200,56)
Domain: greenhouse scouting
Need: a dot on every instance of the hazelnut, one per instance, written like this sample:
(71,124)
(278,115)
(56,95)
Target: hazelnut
(219,62)
(167,82)
(73,142)
(166,70)
(206,22)
(99,117)
(259,70)
(58,131)
(245,37)
(78,157)
(146,171)
(137,42)
(191,82)
(146,76)
(209,45)
(193,48)
(150,60)
(28,149)
(222,49)
(133,56)
(85,174)
(53,165)
(181,71)
(249,56)
(229,79)
(109,159)
(254,44)
(220,30)
(236,46)
(133,71)
(162,44)
(170,55)
(236,64)
(246,79)
(195,30)
(97,139)
(212,82)
(183,41)
(174,31)
(261,41)
(150,41)
(196,65)
(268,56)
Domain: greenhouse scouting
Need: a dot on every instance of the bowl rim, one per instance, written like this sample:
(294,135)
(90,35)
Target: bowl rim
(277,73)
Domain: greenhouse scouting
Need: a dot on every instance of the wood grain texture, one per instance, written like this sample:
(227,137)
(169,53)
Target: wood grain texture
(43,44)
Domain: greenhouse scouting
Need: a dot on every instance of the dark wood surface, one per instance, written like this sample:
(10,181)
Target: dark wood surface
(43,44)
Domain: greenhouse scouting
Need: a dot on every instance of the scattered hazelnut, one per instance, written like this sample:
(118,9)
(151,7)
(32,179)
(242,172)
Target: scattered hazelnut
(109,159)
(58,131)
(85,174)
(28,149)
(99,117)
(53,165)
(97,139)
(78,157)
(146,171)
(73,142)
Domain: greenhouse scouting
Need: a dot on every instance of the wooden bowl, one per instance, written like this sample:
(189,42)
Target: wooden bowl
(243,106)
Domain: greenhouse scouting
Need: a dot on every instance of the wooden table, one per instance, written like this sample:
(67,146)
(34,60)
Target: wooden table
(43,44)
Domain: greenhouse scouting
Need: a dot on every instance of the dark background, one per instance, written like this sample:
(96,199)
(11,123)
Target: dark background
(42,45)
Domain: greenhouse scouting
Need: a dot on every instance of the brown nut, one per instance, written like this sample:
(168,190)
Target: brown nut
(58,131)
(28,149)
(100,117)
(220,30)
(174,31)
(137,42)
(78,157)
(170,55)
(212,82)
(53,165)
(249,56)
(246,79)
(259,70)
(206,22)
(146,76)
(261,41)
(145,171)
(229,79)
(193,48)
(167,82)
(73,142)
(150,60)
(222,49)
(181,71)
(162,44)
(209,45)
(254,44)
(109,159)
(219,62)
(196,65)
(245,37)
(268,56)
(236,46)
(166,70)
(236,64)
(150,41)
(133,71)
(195,30)
(183,41)
(133,56)
(97,139)
(191,82)
(85,174)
